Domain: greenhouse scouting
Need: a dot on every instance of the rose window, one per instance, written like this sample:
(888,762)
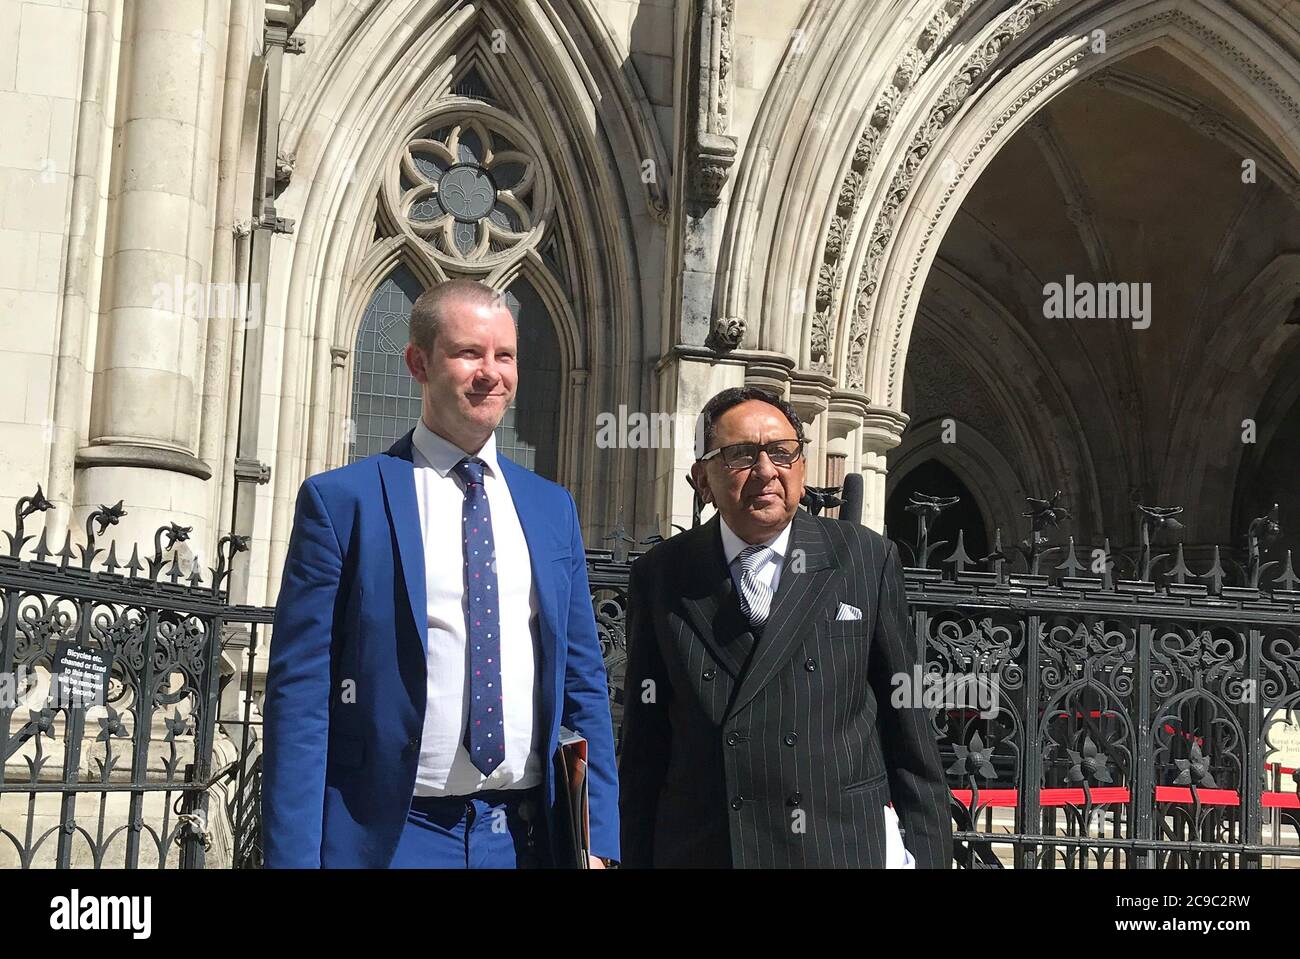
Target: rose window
(468,189)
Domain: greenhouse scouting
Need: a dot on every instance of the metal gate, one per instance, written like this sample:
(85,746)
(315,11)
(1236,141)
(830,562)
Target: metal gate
(109,681)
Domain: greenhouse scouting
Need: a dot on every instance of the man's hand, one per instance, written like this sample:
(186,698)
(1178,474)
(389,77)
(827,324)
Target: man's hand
(595,862)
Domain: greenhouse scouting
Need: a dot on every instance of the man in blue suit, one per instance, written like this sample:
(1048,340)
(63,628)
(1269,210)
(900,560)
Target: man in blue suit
(433,631)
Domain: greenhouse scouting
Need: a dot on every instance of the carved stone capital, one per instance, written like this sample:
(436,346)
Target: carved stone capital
(810,393)
(845,413)
(710,165)
(882,429)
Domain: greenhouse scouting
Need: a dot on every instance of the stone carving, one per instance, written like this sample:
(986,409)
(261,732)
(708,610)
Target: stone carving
(284,163)
(820,336)
(825,284)
(835,236)
(726,334)
(946,105)
(908,69)
(713,151)
(1207,122)
(719,117)
(709,170)
(471,186)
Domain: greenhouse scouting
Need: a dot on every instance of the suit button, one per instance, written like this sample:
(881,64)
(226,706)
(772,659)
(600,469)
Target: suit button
(412,744)
(737,802)
(795,799)
(791,738)
(810,664)
(733,737)
(709,674)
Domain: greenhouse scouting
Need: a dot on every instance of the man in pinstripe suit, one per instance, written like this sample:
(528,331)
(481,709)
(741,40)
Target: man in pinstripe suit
(758,730)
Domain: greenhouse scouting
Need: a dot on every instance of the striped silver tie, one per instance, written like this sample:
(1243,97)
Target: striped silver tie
(755,598)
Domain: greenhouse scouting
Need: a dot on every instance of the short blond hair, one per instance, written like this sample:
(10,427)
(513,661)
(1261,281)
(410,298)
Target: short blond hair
(430,307)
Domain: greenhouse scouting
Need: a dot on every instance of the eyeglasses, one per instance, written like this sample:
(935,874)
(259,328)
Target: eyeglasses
(741,456)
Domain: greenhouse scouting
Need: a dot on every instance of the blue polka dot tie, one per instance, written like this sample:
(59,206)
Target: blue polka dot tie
(485,734)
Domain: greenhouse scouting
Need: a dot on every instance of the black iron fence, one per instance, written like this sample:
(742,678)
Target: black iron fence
(1095,708)
(109,676)
(1146,721)
(1114,709)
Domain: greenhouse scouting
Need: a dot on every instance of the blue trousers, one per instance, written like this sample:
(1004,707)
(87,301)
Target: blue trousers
(500,829)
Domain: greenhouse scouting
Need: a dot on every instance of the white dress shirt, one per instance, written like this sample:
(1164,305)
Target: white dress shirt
(445,768)
(768,575)
(768,572)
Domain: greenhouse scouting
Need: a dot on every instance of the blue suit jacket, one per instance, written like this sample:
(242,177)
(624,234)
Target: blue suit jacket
(346,683)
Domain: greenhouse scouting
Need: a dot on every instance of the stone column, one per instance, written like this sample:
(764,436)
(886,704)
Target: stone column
(143,426)
(810,395)
(843,424)
(882,430)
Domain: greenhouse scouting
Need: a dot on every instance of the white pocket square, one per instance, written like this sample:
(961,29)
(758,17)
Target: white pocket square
(847,612)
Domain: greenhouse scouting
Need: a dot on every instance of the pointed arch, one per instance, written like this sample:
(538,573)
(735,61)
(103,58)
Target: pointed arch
(1020,61)
(382,67)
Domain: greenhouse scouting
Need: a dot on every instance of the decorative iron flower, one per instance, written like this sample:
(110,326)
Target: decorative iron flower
(177,534)
(31,504)
(1090,765)
(1195,770)
(973,760)
(177,725)
(107,516)
(930,506)
(43,720)
(1046,513)
(1160,517)
(467,189)
(110,727)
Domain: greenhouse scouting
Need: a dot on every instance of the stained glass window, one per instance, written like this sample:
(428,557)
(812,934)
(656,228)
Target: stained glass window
(385,399)
(530,431)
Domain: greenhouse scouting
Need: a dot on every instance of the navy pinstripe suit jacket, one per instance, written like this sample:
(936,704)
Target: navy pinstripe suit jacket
(778,751)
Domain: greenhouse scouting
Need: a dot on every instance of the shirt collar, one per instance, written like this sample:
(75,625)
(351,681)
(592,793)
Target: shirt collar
(733,544)
(442,454)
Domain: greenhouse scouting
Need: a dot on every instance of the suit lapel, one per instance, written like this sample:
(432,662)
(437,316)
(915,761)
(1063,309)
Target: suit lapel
(397,472)
(800,599)
(706,586)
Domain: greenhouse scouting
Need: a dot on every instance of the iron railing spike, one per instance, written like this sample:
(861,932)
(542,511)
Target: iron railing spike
(1288,578)
(1215,574)
(1180,572)
(958,556)
(1071,564)
(66,554)
(43,546)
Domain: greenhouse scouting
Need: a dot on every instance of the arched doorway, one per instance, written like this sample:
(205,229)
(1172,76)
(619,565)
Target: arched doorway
(932,478)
